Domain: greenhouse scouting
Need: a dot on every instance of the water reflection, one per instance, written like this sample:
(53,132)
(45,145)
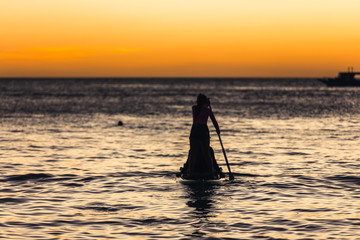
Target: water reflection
(202,204)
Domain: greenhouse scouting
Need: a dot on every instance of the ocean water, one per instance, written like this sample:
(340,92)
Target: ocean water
(68,171)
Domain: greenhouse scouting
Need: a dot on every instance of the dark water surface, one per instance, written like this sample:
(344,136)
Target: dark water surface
(68,171)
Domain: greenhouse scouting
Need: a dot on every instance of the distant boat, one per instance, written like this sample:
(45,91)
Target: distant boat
(344,79)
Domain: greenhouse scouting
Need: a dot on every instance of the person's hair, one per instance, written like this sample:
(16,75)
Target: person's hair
(201,100)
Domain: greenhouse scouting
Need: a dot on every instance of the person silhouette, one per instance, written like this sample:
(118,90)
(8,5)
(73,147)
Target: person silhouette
(201,162)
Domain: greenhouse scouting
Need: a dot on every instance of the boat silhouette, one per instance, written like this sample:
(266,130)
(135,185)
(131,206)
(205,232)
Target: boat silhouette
(344,79)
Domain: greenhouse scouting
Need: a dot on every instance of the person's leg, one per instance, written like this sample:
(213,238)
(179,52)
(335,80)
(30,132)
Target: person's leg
(193,156)
(208,166)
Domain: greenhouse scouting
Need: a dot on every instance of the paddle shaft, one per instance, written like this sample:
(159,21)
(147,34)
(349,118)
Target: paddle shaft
(231,176)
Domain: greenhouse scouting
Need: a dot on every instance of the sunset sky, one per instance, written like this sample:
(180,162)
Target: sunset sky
(238,38)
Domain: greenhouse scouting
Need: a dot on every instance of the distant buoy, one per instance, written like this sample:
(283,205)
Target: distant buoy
(120,123)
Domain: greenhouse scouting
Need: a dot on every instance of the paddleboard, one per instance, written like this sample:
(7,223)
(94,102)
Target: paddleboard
(201,181)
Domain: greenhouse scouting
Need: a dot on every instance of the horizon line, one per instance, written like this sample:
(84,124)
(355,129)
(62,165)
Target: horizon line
(155,77)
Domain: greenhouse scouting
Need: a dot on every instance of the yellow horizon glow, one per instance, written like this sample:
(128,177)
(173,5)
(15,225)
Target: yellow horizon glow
(245,38)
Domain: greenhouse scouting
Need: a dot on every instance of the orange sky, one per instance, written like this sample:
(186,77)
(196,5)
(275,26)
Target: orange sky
(244,38)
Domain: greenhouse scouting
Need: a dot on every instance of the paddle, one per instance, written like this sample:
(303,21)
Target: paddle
(231,176)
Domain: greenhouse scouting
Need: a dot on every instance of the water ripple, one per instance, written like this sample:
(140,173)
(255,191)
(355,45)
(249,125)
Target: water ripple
(68,171)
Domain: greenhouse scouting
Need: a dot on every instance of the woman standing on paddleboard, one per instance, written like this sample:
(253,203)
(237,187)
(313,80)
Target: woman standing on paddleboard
(201,163)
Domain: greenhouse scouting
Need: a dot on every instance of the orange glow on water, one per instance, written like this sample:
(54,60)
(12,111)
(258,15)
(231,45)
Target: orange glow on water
(178,38)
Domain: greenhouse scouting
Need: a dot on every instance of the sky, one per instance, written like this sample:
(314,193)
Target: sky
(177,38)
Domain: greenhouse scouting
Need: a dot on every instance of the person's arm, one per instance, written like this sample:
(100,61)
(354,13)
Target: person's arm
(213,119)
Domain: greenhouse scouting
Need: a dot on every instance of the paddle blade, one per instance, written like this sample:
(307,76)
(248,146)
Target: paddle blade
(231,176)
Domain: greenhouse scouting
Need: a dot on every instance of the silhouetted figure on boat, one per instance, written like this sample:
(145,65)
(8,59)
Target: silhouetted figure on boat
(201,163)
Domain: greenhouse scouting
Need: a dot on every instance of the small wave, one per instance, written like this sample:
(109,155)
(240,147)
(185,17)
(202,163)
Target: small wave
(102,207)
(302,177)
(139,150)
(247,175)
(271,228)
(244,163)
(12,200)
(34,146)
(17,131)
(156,221)
(73,185)
(247,153)
(28,177)
(348,179)
(312,210)
(242,225)
(89,179)
(129,174)
(309,227)
(296,153)
(280,185)
(170,155)
(64,177)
